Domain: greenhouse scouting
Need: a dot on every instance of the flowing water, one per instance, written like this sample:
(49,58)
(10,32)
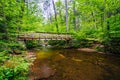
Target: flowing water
(71,64)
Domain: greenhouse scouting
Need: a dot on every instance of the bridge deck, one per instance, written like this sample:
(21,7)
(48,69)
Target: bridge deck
(44,36)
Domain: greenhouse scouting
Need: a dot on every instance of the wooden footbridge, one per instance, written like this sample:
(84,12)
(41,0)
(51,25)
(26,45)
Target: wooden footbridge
(44,36)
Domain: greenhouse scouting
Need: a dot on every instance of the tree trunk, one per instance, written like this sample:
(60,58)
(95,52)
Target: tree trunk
(94,20)
(106,28)
(66,10)
(106,23)
(74,17)
(55,15)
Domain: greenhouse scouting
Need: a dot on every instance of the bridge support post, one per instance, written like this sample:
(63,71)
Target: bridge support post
(45,41)
(69,43)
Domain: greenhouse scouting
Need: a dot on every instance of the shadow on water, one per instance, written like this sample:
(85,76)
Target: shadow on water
(71,64)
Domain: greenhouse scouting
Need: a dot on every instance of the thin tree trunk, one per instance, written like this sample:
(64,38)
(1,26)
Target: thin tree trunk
(106,23)
(55,15)
(106,28)
(50,17)
(102,22)
(94,20)
(60,14)
(66,10)
(74,17)
(105,16)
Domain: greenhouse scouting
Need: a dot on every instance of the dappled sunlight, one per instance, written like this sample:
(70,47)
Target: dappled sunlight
(43,55)
(14,62)
(11,64)
(77,60)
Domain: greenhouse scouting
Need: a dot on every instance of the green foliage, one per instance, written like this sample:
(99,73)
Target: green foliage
(57,43)
(16,45)
(97,19)
(114,25)
(98,48)
(3,57)
(82,43)
(4,45)
(31,44)
(9,46)
(15,69)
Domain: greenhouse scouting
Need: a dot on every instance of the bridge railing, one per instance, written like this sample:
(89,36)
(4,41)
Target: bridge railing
(42,35)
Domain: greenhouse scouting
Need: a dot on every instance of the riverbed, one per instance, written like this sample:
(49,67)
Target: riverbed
(72,64)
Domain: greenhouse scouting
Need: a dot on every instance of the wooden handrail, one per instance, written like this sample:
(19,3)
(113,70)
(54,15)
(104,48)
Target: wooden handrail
(38,36)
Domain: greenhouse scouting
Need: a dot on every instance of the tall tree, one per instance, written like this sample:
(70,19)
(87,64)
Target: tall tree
(74,12)
(56,23)
(66,12)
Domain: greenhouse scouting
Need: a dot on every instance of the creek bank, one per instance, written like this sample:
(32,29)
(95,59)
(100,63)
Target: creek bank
(31,56)
(90,50)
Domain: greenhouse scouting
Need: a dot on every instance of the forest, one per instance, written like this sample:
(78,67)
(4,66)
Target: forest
(92,24)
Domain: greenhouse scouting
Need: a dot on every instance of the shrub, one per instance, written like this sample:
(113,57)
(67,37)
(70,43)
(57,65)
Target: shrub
(31,44)
(57,43)
(9,46)
(15,69)
(3,57)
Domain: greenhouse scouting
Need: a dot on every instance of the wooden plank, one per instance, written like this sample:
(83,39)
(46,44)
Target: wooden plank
(44,36)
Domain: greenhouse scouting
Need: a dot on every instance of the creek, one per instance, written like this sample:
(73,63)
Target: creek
(72,64)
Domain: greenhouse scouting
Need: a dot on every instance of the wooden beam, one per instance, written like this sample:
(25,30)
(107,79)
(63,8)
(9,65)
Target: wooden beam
(44,36)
